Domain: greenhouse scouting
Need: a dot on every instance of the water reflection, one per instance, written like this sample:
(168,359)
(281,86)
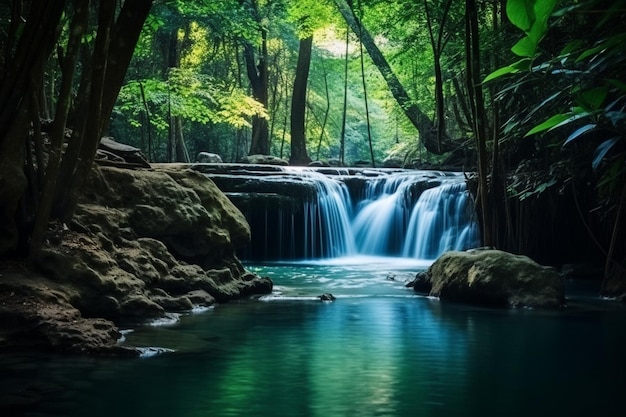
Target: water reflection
(375,351)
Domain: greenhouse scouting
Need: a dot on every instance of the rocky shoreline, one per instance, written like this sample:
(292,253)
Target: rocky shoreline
(143,243)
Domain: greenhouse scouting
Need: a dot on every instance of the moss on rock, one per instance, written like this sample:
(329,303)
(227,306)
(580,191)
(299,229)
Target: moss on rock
(141,243)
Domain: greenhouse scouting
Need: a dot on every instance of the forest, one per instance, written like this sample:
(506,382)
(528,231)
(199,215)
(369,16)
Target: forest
(526,96)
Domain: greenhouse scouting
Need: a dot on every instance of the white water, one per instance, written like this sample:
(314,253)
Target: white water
(388,219)
(440,221)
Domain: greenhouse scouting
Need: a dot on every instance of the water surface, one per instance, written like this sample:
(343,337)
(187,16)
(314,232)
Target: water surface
(378,350)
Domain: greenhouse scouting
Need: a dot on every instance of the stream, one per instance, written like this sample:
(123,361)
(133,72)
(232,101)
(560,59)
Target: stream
(377,350)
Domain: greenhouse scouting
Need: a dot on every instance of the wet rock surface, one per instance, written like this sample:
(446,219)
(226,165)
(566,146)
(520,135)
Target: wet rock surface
(492,277)
(142,243)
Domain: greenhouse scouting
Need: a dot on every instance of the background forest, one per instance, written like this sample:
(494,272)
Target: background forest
(529,94)
(211,76)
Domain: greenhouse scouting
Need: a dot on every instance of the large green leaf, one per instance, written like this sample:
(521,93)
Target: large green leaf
(525,47)
(521,13)
(542,11)
(552,122)
(514,68)
(532,17)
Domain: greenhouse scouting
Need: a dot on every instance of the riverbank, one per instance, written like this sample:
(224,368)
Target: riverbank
(142,243)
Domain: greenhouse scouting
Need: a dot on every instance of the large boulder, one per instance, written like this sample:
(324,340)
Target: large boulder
(142,243)
(492,277)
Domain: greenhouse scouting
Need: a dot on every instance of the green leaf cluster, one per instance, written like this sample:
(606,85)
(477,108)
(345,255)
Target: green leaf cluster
(588,108)
(531,16)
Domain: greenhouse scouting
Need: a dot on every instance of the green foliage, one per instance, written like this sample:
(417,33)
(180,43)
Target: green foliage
(310,16)
(588,108)
(531,16)
(210,90)
(193,96)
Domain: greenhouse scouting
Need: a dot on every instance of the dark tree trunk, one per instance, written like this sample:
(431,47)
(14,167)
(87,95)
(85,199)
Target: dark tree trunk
(115,44)
(299,154)
(367,110)
(478,117)
(180,148)
(78,27)
(438,43)
(326,112)
(258,75)
(30,42)
(344,113)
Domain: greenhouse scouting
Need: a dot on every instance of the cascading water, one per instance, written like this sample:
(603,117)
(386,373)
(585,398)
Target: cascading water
(390,221)
(380,223)
(411,214)
(328,225)
(441,220)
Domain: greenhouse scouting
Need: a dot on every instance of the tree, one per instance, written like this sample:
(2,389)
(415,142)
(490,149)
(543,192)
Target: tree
(438,42)
(299,154)
(418,118)
(479,119)
(583,92)
(28,47)
(308,16)
(258,75)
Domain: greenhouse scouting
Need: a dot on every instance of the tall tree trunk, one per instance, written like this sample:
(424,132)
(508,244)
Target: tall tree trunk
(299,154)
(478,116)
(437,43)
(367,109)
(418,118)
(258,75)
(344,113)
(115,44)
(31,41)
(177,149)
(181,154)
(78,27)
(326,111)
(124,38)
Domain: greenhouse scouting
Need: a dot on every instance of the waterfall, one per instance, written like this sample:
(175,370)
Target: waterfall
(328,228)
(389,221)
(379,225)
(342,213)
(441,220)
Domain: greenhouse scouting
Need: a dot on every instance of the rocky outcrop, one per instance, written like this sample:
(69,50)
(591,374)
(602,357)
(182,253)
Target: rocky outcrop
(142,243)
(114,153)
(264,160)
(491,277)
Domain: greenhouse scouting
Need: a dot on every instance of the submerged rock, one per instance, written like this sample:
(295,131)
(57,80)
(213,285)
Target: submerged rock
(327,297)
(492,277)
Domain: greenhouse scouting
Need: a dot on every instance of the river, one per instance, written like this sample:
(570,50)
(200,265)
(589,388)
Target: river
(377,350)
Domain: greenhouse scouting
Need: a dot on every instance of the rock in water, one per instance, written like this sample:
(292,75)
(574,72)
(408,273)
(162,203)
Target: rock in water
(494,278)
(327,297)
